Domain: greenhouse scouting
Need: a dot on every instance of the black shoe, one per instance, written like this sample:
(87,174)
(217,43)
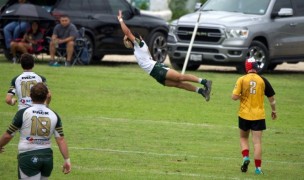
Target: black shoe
(205,94)
(208,86)
(246,162)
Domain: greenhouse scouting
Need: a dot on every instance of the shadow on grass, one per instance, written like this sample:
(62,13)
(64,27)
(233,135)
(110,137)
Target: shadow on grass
(118,63)
(275,72)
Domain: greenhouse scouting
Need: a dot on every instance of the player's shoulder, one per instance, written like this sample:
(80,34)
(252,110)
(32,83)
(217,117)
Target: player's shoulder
(15,78)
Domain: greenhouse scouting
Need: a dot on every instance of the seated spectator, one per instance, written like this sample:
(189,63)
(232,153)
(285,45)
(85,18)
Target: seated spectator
(14,29)
(63,36)
(30,42)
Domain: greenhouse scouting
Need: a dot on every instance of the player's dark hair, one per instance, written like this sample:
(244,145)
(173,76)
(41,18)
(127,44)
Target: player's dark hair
(27,61)
(39,93)
(64,16)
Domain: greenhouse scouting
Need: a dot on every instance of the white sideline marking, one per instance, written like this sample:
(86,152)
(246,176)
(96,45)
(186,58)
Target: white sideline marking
(153,172)
(100,118)
(170,155)
(178,155)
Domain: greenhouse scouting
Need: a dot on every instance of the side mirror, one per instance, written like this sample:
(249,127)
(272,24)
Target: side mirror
(197,6)
(127,14)
(136,11)
(284,12)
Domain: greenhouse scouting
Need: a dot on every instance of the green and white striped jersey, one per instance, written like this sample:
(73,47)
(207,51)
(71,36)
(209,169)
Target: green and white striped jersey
(36,125)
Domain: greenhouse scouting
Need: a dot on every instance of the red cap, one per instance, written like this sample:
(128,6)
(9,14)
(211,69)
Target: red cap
(251,63)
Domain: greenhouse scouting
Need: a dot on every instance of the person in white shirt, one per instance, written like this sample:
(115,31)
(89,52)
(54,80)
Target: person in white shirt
(36,125)
(21,84)
(164,75)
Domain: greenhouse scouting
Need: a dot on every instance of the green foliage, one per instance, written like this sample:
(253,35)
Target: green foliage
(144,6)
(178,8)
(121,124)
(141,4)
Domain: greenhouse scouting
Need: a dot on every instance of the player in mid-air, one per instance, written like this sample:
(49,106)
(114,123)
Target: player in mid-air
(166,76)
(250,89)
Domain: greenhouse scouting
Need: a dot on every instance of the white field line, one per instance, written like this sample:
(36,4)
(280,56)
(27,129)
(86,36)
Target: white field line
(167,122)
(163,154)
(177,155)
(171,155)
(98,169)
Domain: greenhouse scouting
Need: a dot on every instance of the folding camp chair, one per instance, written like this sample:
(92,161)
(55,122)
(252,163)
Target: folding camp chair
(81,50)
(81,54)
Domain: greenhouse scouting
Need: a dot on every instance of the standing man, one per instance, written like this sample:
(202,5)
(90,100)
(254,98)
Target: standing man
(21,84)
(250,89)
(165,76)
(36,125)
(63,36)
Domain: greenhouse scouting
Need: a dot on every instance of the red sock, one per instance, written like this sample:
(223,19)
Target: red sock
(258,162)
(245,152)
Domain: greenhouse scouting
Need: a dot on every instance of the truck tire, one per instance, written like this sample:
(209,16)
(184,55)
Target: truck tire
(158,47)
(261,54)
(179,66)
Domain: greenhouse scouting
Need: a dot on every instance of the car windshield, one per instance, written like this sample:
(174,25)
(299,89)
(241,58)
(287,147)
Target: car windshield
(243,6)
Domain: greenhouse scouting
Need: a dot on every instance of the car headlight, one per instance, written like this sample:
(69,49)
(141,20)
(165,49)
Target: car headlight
(237,33)
(172,29)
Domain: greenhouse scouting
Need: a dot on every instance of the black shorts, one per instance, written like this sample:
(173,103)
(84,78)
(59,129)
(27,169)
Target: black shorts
(256,125)
(159,73)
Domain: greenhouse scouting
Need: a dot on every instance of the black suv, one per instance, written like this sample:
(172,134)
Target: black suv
(99,17)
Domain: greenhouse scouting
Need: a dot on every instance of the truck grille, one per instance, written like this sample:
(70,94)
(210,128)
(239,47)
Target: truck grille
(203,35)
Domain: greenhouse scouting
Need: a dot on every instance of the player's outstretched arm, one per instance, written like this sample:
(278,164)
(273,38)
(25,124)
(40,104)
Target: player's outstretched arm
(124,27)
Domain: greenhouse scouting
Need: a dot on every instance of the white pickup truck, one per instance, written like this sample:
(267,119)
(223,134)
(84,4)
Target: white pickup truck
(229,31)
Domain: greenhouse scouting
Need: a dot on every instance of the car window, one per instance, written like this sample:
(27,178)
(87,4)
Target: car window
(2,2)
(242,6)
(281,4)
(100,6)
(299,6)
(43,2)
(118,5)
(75,6)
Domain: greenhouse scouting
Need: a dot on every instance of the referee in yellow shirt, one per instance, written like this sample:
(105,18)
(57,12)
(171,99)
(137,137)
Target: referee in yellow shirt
(250,90)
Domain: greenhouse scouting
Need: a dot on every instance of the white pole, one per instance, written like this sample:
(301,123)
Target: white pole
(191,43)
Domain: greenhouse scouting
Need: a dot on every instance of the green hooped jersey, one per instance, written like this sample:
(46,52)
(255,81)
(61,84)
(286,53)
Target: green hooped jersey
(36,124)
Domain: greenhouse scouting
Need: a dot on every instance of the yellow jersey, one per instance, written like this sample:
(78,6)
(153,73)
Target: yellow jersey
(251,88)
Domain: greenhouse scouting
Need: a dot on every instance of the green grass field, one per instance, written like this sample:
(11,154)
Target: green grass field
(121,124)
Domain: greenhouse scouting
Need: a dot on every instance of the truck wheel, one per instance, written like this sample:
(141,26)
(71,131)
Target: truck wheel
(261,54)
(179,66)
(158,47)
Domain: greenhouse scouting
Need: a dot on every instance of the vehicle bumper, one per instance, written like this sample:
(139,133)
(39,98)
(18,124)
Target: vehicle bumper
(208,52)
